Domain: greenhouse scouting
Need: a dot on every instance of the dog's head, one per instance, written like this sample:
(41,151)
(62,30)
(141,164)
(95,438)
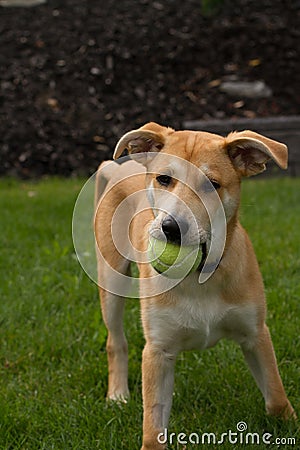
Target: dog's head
(191,175)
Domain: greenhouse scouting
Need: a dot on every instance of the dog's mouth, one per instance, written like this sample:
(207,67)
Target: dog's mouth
(204,266)
(202,262)
(207,266)
(204,256)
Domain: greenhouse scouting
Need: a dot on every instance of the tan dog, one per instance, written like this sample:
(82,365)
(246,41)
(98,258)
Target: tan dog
(189,315)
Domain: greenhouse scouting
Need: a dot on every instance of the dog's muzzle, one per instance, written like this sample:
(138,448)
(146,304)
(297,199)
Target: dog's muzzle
(175,230)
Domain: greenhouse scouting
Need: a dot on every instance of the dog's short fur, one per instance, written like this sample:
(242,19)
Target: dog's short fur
(230,304)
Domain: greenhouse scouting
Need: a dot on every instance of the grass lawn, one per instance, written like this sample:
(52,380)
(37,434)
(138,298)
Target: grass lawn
(53,365)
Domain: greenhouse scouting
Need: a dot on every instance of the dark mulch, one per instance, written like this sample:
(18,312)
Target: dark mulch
(76,74)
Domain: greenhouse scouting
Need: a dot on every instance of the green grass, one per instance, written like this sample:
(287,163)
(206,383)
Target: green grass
(53,376)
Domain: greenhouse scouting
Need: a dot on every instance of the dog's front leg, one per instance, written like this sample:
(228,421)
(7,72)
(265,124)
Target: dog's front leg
(158,383)
(262,363)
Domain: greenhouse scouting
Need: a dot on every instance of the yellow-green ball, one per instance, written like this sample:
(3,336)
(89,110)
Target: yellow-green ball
(173,260)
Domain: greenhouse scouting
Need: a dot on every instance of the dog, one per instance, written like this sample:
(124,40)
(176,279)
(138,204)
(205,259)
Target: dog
(165,190)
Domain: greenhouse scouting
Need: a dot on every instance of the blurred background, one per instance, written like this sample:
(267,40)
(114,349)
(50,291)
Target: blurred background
(76,74)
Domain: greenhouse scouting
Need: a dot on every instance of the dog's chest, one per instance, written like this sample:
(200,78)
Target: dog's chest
(199,321)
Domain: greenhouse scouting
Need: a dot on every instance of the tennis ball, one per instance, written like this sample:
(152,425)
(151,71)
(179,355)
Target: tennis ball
(173,260)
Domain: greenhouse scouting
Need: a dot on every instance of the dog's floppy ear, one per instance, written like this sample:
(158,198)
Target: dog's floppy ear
(249,151)
(149,138)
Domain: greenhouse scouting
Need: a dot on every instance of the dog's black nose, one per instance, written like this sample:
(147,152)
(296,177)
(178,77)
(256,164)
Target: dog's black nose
(174,229)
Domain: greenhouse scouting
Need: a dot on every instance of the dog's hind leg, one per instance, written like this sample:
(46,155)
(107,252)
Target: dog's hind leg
(262,363)
(117,350)
(112,305)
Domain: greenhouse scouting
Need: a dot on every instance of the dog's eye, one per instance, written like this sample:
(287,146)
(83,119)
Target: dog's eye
(210,186)
(164,180)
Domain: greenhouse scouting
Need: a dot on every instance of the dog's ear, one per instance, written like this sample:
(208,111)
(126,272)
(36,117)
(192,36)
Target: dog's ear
(149,138)
(249,151)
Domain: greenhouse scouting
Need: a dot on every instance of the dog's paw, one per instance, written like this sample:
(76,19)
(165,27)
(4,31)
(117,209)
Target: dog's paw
(285,412)
(289,413)
(117,397)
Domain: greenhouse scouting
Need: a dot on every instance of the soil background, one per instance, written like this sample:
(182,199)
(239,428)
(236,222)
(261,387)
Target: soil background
(76,74)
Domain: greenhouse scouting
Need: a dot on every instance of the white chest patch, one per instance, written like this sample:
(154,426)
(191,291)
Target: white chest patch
(199,322)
